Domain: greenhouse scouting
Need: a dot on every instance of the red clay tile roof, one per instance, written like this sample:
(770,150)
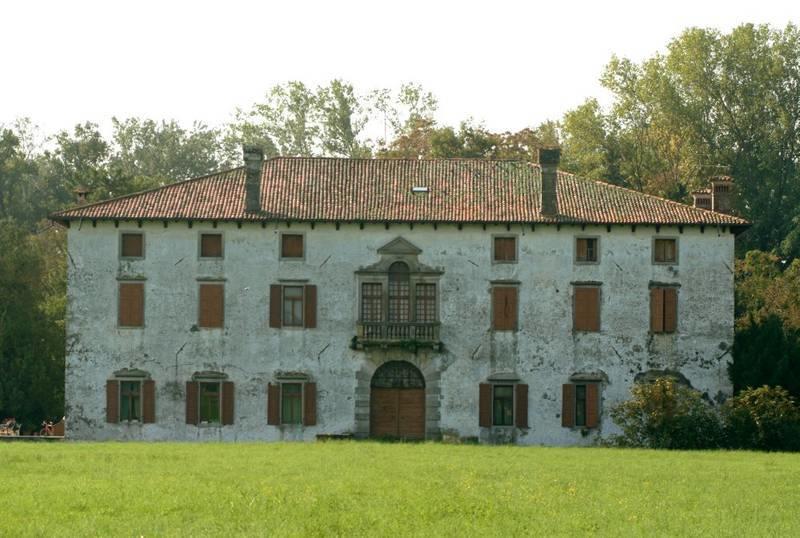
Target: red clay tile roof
(378,190)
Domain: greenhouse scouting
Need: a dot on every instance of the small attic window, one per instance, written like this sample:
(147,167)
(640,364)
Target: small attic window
(419,190)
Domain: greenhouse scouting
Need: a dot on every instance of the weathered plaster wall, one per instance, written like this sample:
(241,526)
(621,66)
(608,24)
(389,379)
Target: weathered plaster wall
(544,352)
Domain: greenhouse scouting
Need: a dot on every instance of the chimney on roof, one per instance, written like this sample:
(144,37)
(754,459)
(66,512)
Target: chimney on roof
(81,192)
(548,162)
(722,194)
(253,159)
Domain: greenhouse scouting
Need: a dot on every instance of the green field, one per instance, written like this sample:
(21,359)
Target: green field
(354,488)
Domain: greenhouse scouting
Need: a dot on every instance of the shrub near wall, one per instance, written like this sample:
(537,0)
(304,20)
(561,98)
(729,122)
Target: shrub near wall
(764,418)
(665,414)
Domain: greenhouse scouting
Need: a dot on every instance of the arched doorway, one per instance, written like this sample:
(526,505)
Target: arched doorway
(397,402)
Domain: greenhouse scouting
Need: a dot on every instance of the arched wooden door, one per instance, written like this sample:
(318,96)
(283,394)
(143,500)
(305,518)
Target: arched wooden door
(397,402)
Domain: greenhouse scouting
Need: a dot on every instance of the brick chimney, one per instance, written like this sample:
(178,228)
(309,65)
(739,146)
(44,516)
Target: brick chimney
(722,194)
(81,193)
(253,159)
(548,161)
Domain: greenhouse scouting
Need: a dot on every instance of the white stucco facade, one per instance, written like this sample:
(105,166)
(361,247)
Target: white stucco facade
(543,353)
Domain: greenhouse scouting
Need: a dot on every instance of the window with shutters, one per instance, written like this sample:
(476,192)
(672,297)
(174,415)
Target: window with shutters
(292,246)
(210,402)
(211,245)
(293,305)
(665,250)
(504,249)
(580,405)
(586,308)
(292,400)
(209,399)
(504,307)
(130,397)
(131,304)
(131,245)
(663,309)
(503,401)
(587,250)
(211,306)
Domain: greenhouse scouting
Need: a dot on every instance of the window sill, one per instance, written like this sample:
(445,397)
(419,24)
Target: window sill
(586,263)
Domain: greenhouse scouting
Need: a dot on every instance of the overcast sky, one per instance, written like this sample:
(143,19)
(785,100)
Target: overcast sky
(508,64)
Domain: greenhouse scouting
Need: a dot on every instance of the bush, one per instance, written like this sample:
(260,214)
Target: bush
(665,414)
(765,418)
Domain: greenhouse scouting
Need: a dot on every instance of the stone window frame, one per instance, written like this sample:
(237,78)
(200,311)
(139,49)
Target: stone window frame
(283,258)
(130,375)
(515,237)
(292,378)
(209,377)
(575,259)
(585,379)
(119,245)
(302,301)
(200,235)
(655,238)
(398,250)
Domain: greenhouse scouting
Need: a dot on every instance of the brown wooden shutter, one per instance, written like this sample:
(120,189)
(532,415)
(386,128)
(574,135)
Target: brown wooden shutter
(582,250)
(656,310)
(131,304)
(310,307)
(132,246)
(587,309)
(275,297)
(211,246)
(191,402)
(292,246)
(212,305)
(148,401)
(670,310)
(112,401)
(592,405)
(504,308)
(485,405)
(227,403)
(310,404)
(521,411)
(568,405)
(273,404)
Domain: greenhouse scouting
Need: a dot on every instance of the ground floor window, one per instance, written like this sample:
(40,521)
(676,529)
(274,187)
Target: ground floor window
(209,397)
(291,403)
(130,401)
(580,405)
(503,405)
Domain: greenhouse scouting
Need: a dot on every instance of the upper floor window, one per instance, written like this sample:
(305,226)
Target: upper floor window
(292,246)
(399,299)
(293,305)
(211,245)
(663,310)
(131,245)
(504,307)
(586,308)
(665,250)
(211,306)
(504,249)
(586,250)
(131,304)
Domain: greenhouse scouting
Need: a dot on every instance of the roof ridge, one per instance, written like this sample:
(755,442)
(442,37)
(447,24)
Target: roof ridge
(146,191)
(409,159)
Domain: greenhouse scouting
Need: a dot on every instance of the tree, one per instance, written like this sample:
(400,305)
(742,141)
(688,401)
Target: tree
(342,119)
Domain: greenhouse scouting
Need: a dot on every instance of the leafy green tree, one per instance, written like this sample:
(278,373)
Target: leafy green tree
(342,119)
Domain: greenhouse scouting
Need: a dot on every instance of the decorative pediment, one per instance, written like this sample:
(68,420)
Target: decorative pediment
(400,247)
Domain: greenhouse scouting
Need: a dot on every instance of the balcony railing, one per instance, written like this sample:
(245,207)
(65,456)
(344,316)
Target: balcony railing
(382,332)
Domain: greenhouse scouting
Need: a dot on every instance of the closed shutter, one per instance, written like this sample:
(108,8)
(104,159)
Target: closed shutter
(310,306)
(568,405)
(275,305)
(273,404)
(657,310)
(670,310)
(211,246)
(505,249)
(521,412)
(112,401)
(191,402)
(132,246)
(504,308)
(592,405)
(582,250)
(227,403)
(587,309)
(292,246)
(485,405)
(310,404)
(148,401)
(131,304)
(212,305)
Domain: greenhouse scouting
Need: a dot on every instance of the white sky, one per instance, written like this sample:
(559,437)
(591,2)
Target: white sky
(508,64)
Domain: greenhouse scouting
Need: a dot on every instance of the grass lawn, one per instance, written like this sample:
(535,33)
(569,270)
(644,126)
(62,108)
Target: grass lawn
(359,488)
